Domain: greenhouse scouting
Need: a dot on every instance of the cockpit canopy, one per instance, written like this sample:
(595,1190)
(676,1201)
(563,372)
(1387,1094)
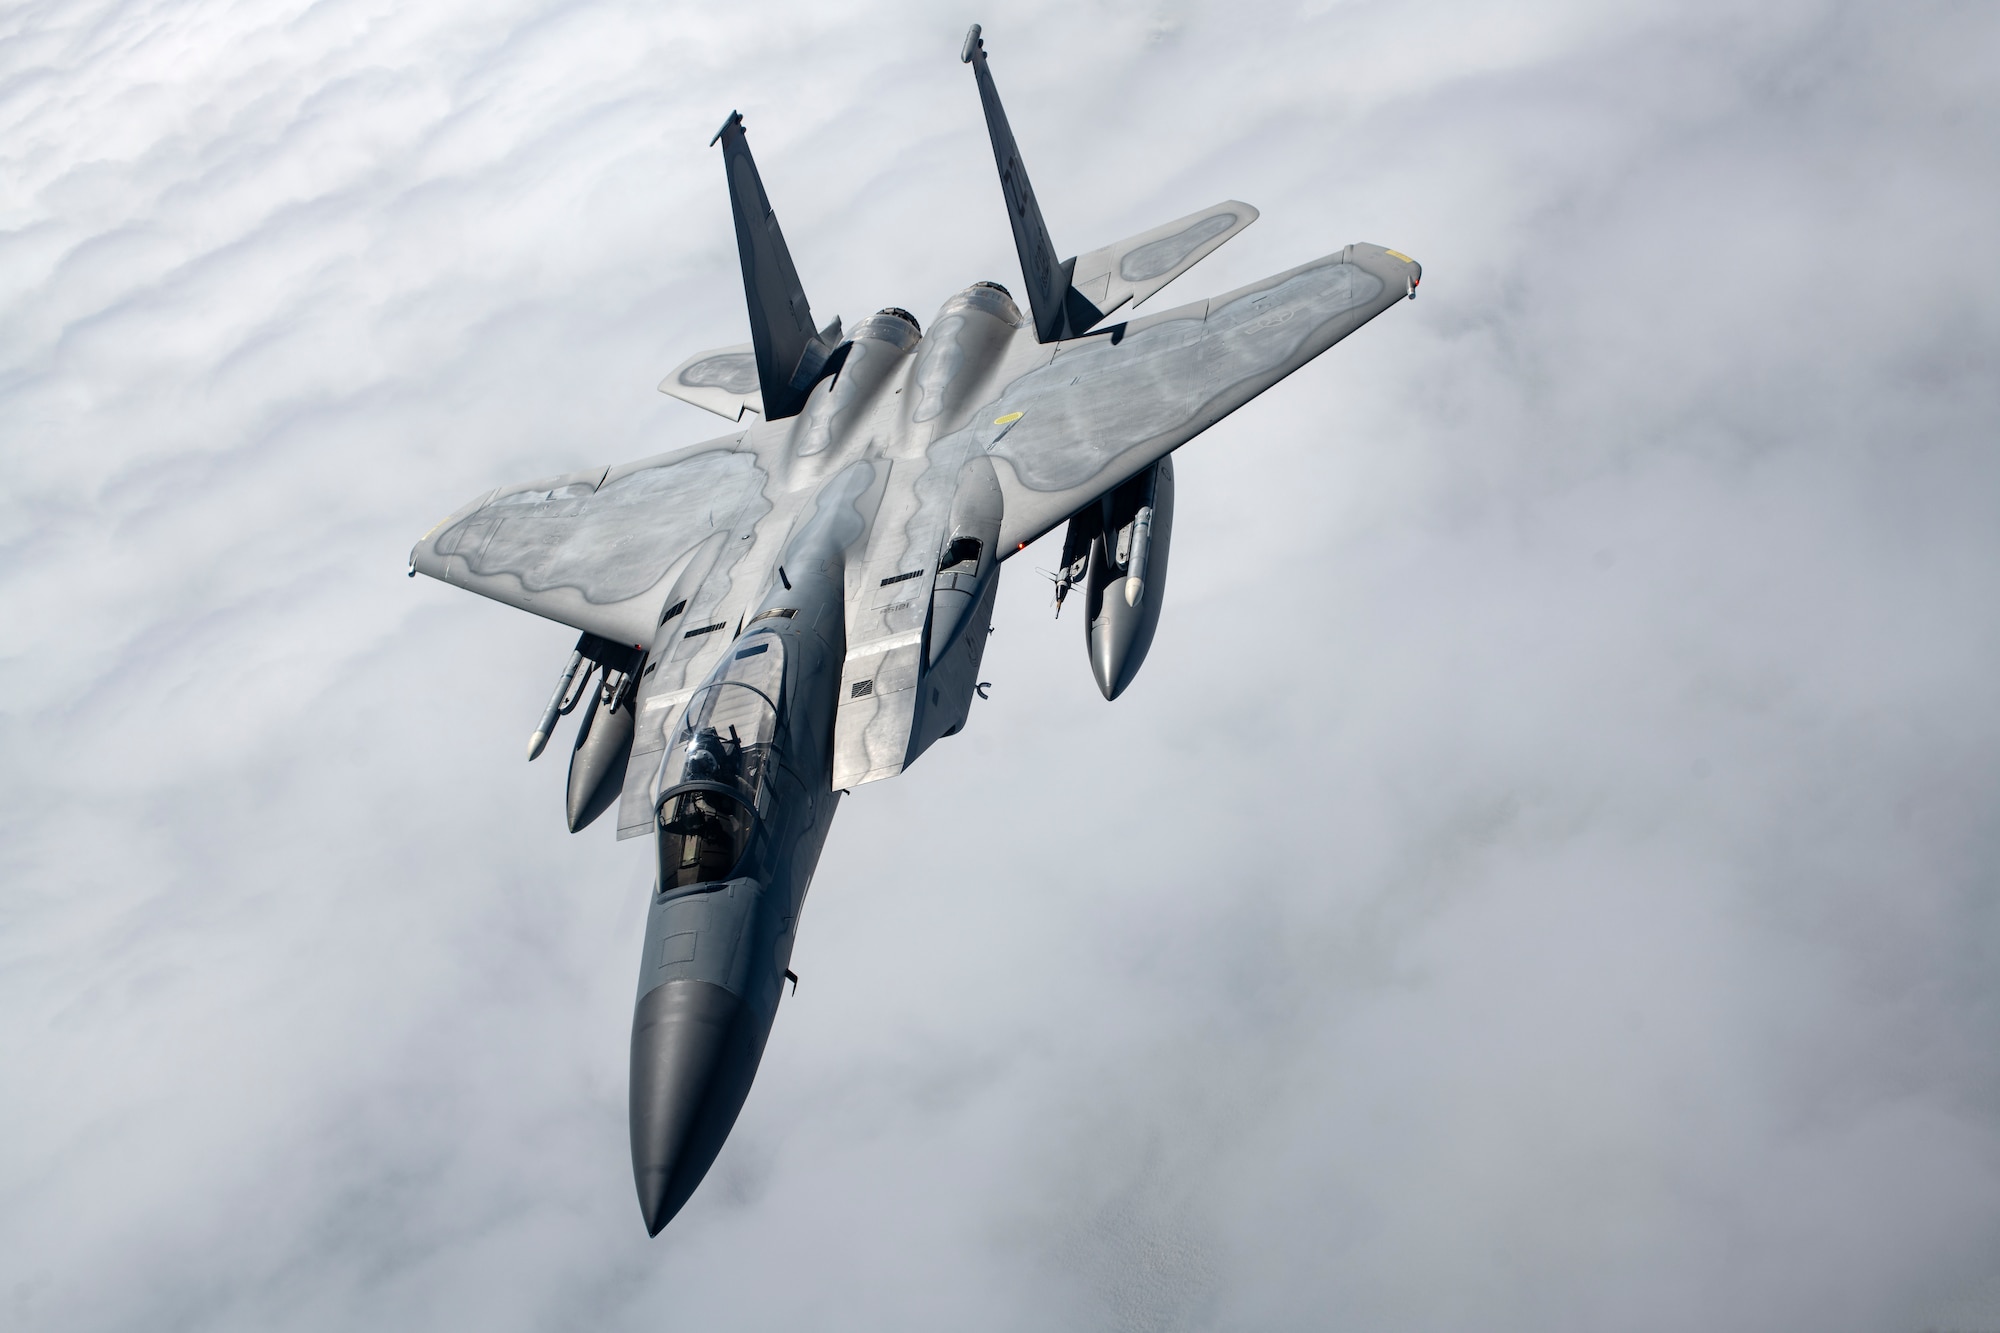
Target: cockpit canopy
(713,779)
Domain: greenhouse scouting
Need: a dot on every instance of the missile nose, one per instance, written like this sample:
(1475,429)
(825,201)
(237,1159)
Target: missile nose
(681,1039)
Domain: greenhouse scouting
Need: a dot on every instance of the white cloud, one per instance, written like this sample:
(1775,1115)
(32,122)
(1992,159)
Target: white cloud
(1543,878)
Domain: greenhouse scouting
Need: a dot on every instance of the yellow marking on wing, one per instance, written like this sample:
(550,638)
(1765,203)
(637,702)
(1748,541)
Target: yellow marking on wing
(1398,254)
(1009,419)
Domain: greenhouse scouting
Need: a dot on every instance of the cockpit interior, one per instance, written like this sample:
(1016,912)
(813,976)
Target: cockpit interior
(712,781)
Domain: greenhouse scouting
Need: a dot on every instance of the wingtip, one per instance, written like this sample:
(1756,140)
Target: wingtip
(972,45)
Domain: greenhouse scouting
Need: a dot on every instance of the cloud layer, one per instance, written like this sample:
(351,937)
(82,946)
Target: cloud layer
(1543,879)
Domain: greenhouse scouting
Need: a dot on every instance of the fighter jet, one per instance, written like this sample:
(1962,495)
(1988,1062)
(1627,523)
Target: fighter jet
(782,614)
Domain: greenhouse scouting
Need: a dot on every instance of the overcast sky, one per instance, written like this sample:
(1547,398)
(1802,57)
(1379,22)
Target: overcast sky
(1545,878)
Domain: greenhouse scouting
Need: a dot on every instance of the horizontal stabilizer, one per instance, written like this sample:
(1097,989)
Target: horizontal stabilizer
(1139,266)
(723,380)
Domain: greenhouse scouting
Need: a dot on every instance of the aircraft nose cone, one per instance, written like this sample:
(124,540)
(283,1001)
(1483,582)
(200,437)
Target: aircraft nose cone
(681,1039)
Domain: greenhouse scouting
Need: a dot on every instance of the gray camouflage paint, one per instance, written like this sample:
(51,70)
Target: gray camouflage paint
(732,372)
(1170,253)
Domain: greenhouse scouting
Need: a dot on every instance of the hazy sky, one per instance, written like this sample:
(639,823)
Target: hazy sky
(1544,878)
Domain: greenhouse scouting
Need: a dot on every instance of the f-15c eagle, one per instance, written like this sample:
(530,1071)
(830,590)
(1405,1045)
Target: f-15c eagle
(781,614)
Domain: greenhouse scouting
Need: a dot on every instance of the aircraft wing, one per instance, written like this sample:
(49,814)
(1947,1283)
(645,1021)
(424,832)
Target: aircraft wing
(597,550)
(1113,402)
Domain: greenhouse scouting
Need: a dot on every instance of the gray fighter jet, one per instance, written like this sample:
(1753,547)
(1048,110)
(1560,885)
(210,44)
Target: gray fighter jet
(798,607)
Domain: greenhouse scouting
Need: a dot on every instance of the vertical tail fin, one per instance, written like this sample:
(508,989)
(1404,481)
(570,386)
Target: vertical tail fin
(790,351)
(1060,310)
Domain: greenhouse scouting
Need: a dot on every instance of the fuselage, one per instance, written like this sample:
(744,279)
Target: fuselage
(743,794)
(744,814)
